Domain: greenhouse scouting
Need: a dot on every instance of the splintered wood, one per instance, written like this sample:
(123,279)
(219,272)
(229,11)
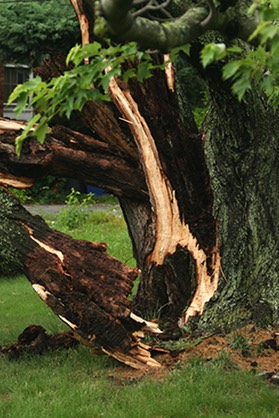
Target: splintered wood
(171,231)
(87,289)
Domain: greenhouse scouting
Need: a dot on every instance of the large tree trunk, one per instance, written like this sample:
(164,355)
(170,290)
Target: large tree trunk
(153,160)
(242,151)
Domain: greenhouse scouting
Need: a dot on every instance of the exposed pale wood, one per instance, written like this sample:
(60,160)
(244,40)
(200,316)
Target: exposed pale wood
(169,71)
(171,231)
(7,125)
(8,180)
(83,22)
(85,287)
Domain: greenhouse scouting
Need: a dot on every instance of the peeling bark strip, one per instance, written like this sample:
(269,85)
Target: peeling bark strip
(86,20)
(171,231)
(169,70)
(84,286)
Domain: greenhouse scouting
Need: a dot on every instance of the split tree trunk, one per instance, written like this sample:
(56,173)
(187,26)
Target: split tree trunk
(157,170)
(166,199)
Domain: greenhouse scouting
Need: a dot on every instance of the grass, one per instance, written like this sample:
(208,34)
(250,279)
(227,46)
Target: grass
(78,383)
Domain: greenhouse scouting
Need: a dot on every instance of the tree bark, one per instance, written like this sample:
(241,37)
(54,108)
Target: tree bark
(84,286)
(242,150)
(154,161)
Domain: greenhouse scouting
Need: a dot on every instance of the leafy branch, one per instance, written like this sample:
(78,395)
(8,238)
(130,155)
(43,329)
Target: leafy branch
(259,65)
(69,92)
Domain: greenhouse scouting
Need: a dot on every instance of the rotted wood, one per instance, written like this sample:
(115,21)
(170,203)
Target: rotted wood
(84,286)
(35,340)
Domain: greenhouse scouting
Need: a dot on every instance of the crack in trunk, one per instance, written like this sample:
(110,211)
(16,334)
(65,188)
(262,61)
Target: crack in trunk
(171,231)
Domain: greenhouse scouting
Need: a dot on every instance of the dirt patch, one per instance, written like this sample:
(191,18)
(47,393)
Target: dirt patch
(248,348)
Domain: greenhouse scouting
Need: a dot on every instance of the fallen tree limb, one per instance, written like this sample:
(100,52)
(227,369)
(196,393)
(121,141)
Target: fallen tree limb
(83,285)
(61,155)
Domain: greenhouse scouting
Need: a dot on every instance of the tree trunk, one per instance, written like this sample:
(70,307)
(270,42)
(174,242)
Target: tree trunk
(153,160)
(242,149)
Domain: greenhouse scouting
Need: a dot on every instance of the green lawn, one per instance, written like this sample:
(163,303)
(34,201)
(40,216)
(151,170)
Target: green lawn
(78,383)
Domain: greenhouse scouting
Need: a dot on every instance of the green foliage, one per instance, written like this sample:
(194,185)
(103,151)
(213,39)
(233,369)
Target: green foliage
(259,65)
(212,53)
(30,30)
(69,92)
(21,195)
(46,190)
(76,213)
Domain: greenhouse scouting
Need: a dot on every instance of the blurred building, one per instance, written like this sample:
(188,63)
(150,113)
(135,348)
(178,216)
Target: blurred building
(10,76)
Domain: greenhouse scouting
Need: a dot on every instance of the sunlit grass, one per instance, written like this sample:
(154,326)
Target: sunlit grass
(79,383)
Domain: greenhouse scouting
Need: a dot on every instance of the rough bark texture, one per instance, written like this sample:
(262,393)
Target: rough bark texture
(242,151)
(68,153)
(139,148)
(84,286)
(34,340)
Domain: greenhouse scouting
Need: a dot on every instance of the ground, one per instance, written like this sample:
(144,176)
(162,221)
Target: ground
(250,348)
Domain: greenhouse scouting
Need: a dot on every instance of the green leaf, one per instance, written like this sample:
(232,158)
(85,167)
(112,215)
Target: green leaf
(235,49)
(143,71)
(20,139)
(16,93)
(175,51)
(41,130)
(258,29)
(21,102)
(231,69)
(129,74)
(33,83)
(241,86)
(212,52)
(268,33)
(267,85)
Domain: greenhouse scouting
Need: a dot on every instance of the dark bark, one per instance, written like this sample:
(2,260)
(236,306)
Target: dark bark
(35,340)
(139,148)
(242,151)
(84,286)
(68,153)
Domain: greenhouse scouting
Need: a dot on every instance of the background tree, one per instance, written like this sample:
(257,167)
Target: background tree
(168,202)
(31,30)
